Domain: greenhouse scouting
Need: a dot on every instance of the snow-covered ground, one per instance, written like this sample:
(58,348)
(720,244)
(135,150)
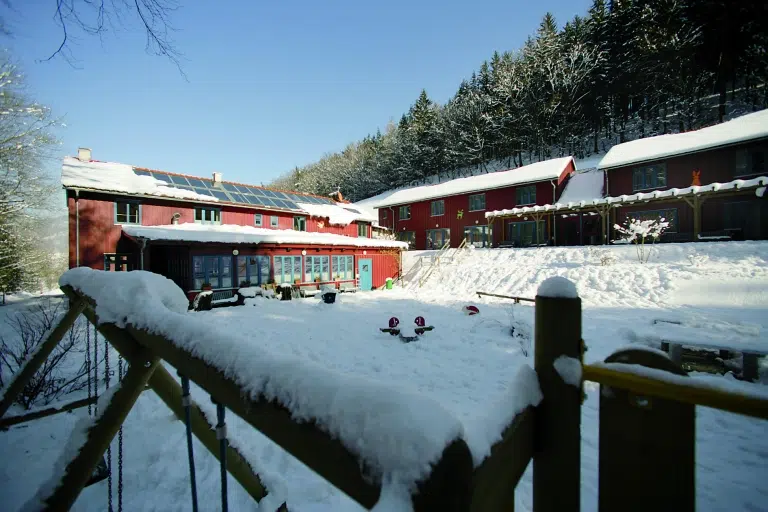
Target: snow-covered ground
(467,365)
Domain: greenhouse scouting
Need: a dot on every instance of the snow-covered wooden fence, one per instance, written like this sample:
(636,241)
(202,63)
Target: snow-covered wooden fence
(642,463)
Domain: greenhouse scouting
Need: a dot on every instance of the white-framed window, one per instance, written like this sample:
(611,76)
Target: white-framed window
(207,216)
(476,202)
(127,212)
(300,223)
(362,230)
(274,221)
(404,212)
(343,267)
(316,267)
(257,220)
(437,208)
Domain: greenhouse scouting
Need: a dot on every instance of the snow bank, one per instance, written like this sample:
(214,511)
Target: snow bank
(397,433)
(232,234)
(539,171)
(742,129)
(559,287)
(113,177)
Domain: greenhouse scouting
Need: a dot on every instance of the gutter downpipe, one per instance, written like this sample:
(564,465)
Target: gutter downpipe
(607,238)
(143,246)
(554,215)
(77,227)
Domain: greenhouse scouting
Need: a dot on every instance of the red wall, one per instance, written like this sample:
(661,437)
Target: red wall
(496,199)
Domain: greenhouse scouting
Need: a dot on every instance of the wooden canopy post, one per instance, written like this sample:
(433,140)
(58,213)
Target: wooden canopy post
(557,454)
(25,374)
(695,203)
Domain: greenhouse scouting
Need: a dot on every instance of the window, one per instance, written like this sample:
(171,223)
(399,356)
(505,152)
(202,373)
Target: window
(273,221)
(524,234)
(254,269)
(316,267)
(287,269)
(127,213)
(300,223)
(526,195)
(478,236)
(257,220)
(437,208)
(669,215)
(383,213)
(118,262)
(437,238)
(649,177)
(404,212)
(476,202)
(407,236)
(215,270)
(207,216)
(362,230)
(749,162)
(343,267)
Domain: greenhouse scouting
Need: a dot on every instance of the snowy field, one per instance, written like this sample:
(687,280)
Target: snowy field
(468,365)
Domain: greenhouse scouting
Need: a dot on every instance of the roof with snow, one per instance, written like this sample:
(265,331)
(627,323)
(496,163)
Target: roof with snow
(756,183)
(232,234)
(583,186)
(539,171)
(136,181)
(742,129)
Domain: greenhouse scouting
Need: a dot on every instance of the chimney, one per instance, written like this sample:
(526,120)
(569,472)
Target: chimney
(84,154)
(217,178)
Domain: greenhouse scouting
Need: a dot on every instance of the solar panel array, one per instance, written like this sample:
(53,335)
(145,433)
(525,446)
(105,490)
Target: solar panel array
(241,194)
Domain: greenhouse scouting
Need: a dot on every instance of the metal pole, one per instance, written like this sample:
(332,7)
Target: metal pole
(221,435)
(186,401)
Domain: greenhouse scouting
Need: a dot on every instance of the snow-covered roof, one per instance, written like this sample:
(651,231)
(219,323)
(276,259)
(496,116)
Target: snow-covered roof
(126,179)
(742,129)
(339,214)
(114,177)
(539,171)
(643,196)
(232,234)
(583,186)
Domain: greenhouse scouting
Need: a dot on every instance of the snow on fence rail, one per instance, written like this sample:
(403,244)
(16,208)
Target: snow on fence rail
(366,439)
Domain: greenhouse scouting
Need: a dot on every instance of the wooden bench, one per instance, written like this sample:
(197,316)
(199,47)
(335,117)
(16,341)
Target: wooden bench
(348,287)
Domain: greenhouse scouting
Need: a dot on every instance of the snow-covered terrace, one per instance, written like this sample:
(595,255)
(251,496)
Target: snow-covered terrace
(232,234)
(601,202)
(742,129)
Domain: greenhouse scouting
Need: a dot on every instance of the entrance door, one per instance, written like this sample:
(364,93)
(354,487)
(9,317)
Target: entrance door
(365,273)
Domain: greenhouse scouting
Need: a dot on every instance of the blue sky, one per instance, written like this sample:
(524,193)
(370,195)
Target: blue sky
(271,85)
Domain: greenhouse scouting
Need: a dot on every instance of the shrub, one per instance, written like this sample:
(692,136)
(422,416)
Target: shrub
(639,231)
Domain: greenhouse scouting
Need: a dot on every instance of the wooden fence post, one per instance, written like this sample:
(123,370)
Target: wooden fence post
(557,457)
(26,373)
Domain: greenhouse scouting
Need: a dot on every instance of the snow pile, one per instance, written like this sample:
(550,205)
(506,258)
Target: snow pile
(554,169)
(233,234)
(742,129)
(113,177)
(569,369)
(583,186)
(558,287)
(336,215)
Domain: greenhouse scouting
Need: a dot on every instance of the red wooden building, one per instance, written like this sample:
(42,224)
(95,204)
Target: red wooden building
(197,230)
(428,216)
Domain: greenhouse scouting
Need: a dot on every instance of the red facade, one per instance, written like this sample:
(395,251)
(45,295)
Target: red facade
(739,214)
(99,235)
(457,217)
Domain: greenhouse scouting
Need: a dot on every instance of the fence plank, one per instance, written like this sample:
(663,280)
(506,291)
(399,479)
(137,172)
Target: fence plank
(42,413)
(25,374)
(495,479)
(647,445)
(557,455)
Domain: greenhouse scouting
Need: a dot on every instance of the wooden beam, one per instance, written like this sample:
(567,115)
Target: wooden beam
(494,481)
(42,413)
(99,435)
(689,394)
(25,374)
(516,299)
(557,456)
(169,391)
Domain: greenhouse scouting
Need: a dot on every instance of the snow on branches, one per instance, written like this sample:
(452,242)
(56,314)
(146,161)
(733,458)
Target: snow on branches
(637,231)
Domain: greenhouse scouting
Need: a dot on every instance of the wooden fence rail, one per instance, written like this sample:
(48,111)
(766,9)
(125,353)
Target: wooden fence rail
(517,300)
(548,434)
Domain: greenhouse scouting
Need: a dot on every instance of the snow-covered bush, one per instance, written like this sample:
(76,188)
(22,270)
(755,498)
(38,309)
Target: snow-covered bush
(637,232)
(605,257)
(696,259)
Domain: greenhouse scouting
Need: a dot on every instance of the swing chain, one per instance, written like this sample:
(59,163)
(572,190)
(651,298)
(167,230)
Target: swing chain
(88,363)
(95,370)
(120,447)
(109,448)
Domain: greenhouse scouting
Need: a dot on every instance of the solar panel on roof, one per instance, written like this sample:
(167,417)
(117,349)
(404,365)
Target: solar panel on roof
(230,187)
(243,189)
(203,191)
(142,173)
(254,200)
(267,193)
(291,205)
(352,210)
(237,197)
(162,177)
(179,180)
(220,195)
(279,195)
(196,182)
(267,201)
